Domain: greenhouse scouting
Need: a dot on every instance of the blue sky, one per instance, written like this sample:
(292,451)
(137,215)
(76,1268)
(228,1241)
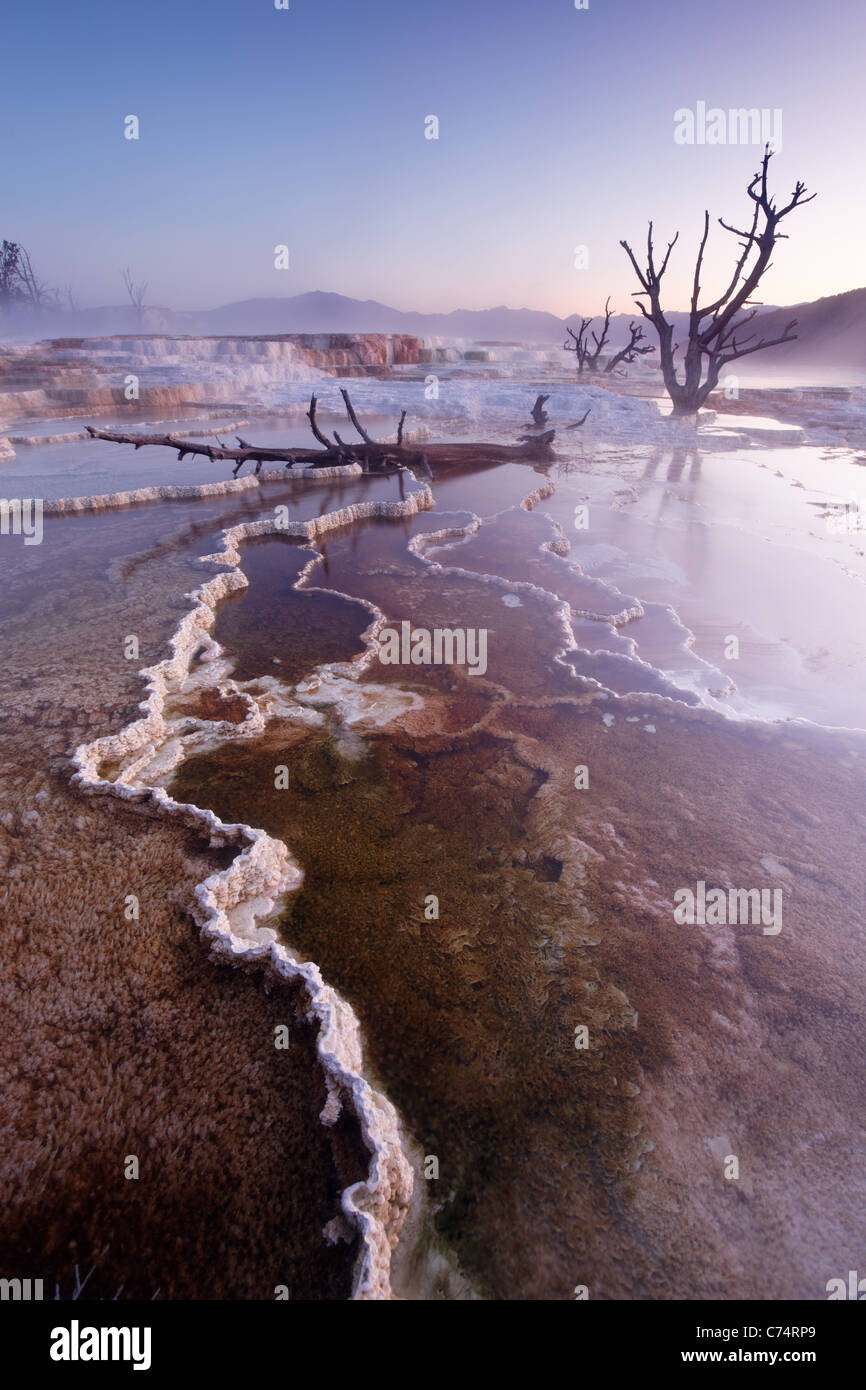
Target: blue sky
(306,127)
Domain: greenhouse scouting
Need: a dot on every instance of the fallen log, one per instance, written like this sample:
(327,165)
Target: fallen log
(374,457)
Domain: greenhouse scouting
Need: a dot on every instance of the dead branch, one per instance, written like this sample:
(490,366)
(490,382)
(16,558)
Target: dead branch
(636,347)
(542,439)
(350,411)
(311,416)
(592,360)
(247,453)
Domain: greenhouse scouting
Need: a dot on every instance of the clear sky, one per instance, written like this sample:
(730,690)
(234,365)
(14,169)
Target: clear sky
(306,127)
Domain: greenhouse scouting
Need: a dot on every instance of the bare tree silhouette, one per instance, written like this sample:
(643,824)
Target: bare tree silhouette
(136,293)
(587,355)
(19,286)
(721,341)
(578,344)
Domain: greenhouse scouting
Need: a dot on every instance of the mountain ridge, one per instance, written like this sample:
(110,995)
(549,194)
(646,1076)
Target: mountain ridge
(832,329)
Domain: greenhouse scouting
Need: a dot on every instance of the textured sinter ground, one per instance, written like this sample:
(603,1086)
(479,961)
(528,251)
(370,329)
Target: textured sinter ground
(121,1037)
(561,1167)
(558,1167)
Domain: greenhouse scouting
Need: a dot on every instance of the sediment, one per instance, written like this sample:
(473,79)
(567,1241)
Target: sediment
(599,1169)
(230,903)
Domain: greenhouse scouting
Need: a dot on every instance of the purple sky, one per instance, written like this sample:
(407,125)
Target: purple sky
(306,127)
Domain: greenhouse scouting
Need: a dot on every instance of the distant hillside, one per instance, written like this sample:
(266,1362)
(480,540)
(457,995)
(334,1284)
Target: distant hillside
(831,336)
(831,342)
(317,312)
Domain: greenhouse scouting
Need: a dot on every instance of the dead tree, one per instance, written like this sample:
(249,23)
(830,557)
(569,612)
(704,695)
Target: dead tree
(712,347)
(136,293)
(373,456)
(588,355)
(578,345)
(635,347)
(19,286)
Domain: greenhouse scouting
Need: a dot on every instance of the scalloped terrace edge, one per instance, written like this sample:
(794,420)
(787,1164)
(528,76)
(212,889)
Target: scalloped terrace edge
(180,492)
(262,873)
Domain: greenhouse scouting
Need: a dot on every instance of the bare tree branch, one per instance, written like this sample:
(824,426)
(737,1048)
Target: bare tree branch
(350,411)
(311,415)
(634,348)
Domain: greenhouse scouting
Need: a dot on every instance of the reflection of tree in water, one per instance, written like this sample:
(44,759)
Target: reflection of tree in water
(677,460)
(684,458)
